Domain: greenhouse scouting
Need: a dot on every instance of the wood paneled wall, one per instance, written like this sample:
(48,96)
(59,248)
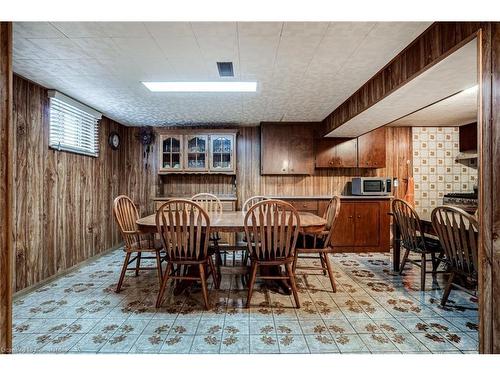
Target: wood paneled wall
(324,181)
(489,204)
(434,44)
(6,173)
(62,201)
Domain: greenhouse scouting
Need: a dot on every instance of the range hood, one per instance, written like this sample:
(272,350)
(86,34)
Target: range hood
(466,155)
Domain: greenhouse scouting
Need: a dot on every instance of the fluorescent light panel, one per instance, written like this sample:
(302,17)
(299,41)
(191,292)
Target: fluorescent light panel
(201,86)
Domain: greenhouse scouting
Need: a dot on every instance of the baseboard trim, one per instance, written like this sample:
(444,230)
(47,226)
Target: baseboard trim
(49,279)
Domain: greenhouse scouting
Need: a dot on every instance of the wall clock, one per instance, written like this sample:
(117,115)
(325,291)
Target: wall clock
(114,140)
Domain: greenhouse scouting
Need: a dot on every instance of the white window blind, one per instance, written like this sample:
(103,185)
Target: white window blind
(73,125)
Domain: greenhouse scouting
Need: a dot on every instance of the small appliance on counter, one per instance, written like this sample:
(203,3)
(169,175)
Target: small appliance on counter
(371,186)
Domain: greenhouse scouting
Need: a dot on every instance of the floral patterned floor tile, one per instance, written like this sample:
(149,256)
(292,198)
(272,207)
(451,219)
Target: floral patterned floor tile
(321,343)
(378,342)
(120,342)
(373,311)
(207,343)
(148,343)
(264,344)
(348,343)
(235,344)
(292,344)
(177,344)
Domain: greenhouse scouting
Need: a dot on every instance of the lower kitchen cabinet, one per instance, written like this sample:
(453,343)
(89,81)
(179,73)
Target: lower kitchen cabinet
(362,226)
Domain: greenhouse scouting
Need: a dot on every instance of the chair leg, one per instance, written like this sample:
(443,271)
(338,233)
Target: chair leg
(138,264)
(434,264)
(422,272)
(204,286)
(253,274)
(403,263)
(323,265)
(122,274)
(291,277)
(447,290)
(163,284)
(330,272)
(215,277)
(158,265)
(295,260)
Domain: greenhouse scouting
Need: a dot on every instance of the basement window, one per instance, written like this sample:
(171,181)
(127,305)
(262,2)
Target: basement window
(73,125)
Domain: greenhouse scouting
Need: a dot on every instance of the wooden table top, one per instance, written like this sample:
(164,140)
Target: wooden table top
(232,221)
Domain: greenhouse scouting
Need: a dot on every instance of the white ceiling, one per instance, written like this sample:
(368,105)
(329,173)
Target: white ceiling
(451,75)
(304,70)
(457,110)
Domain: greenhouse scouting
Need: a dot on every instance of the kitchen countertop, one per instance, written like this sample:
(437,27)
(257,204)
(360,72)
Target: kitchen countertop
(361,197)
(221,197)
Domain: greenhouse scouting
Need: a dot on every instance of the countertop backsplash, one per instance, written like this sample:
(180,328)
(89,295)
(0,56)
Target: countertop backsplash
(435,170)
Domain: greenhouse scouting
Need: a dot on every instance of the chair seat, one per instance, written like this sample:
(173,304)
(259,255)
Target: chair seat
(145,245)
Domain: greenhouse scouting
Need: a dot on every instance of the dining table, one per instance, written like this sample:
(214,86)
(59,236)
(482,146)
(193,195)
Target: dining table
(427,228)
(233,222)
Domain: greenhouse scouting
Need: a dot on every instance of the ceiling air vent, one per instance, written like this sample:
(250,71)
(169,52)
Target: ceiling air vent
(225,69)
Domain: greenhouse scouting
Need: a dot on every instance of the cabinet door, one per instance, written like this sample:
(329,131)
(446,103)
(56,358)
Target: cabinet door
(336,153)
(371,149)
(222,153)
(196,151)
(343,232)
(367,224)
(171,153)
(301,149)
(274,149)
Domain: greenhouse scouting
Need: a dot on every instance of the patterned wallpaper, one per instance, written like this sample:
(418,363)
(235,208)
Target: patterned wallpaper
(434,167)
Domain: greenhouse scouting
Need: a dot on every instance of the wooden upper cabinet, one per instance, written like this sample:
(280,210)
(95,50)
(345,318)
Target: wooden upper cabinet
(170,155)
(197,151)
(371,149)
(222,152)
(336,153)
(287,148)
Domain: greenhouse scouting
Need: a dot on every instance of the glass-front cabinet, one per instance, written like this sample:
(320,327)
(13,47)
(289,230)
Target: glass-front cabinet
(171,153)
(196,152)
(222,152)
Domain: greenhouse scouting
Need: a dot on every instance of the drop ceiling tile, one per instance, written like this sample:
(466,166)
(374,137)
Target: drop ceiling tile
(259,29)
(304,29)
(81,29)
(36,30)
(160,30)
(98,47)
(125,29)
(139,48)
(59,48)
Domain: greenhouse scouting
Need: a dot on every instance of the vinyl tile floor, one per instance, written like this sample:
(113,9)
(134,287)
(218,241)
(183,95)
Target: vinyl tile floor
(373,311)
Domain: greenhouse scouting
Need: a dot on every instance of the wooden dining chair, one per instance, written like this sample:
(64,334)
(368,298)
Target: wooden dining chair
(458,233)
(321,243)
(184,228)
(135,241)
(413,239)
(251,201)
(274,227)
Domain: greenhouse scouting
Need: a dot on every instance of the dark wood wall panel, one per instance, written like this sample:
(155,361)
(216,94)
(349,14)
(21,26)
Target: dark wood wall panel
(6,174)
(435,43)
(250,182)
(62,201)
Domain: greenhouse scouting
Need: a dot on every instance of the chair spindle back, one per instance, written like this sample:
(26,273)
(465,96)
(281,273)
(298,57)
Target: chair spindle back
(210,203)
(458,233)
(331,214)
(409,225)
(126,215)
(251,201)
(274,227)
(183,226)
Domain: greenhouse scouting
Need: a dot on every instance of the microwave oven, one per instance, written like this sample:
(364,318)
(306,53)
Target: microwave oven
(371,186)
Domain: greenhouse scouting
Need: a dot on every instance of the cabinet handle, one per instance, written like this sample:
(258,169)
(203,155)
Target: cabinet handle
(359,216)
(291,169)
(349,217)
(283,170)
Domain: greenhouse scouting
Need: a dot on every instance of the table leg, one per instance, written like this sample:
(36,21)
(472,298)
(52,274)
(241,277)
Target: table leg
(396,246)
